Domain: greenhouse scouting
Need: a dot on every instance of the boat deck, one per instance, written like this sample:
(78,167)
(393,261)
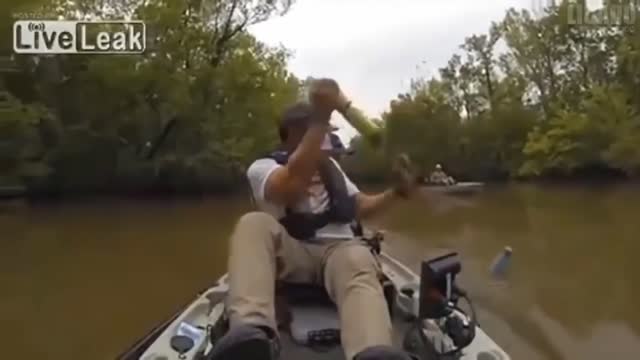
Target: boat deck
(290,350)
(209,307)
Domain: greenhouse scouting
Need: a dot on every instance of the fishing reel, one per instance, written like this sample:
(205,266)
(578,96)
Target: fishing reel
(442,329)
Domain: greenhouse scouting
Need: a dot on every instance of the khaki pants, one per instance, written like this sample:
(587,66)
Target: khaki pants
(262,252)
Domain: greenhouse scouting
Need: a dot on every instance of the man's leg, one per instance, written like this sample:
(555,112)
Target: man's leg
(351,278)
(261,251)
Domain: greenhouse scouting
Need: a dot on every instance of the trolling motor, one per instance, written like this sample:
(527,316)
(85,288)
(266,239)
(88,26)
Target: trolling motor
(442,329)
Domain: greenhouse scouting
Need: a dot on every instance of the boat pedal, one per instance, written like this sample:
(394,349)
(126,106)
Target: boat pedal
(324,337)
(323,340)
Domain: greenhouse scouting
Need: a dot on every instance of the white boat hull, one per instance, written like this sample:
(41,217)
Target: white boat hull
(207,310)
(458,188)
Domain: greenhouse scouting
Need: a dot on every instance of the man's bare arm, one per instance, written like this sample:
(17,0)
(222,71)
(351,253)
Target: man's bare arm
(358,120)
(404,182)
(370,204)
(287,183)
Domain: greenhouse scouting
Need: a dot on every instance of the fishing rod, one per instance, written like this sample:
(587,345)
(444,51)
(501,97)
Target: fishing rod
(155,145)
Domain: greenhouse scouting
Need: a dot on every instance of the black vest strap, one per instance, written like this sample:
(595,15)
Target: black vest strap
(342,207)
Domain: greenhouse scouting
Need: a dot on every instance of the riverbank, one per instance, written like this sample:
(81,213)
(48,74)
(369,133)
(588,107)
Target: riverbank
(160,193)
(149,195)
(12,192)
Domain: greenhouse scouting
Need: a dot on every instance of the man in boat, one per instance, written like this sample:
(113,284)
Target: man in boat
(438,176)
(303,234)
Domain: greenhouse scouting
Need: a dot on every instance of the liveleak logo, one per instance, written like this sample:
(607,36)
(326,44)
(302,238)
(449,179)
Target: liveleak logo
(79,37)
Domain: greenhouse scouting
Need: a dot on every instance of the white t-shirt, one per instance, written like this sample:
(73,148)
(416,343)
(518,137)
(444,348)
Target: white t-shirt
(316,201)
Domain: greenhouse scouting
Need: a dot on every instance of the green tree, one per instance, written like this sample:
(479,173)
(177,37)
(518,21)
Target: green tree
(92,118)
(559,100)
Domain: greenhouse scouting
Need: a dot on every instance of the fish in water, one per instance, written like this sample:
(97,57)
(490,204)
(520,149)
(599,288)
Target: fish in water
(501,263)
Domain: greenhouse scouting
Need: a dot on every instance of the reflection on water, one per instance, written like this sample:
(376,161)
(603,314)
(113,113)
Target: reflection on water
(84,280)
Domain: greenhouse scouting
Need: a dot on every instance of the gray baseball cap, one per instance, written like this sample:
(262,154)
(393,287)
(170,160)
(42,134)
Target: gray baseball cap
(299,115)
(296,115)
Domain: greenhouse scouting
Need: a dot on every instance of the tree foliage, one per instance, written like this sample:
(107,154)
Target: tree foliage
(559,100)
(83,123)
(531,97)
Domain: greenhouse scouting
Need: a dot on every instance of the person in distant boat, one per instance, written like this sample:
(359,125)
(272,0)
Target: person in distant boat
(438,176)
(303,234)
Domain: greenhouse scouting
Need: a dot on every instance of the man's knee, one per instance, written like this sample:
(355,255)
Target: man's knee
(260,221)
(254,227)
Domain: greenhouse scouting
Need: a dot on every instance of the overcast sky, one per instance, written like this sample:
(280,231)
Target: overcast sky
(373,48)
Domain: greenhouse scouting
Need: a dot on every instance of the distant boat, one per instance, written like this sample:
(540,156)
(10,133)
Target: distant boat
(457,188)
(12,192)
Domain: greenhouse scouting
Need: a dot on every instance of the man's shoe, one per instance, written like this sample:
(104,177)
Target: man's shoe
(245,342)
(383,353)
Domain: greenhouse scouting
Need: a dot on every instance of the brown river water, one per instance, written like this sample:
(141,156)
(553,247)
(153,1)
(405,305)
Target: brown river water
(84,280)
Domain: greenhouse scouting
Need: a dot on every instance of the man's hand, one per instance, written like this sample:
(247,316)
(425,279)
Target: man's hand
(326,95)
(404,183)
(403,176)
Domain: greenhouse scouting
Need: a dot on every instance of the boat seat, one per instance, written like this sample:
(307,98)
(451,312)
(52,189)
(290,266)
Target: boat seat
(301,294)
(309,315)
(297,294)
(307,312)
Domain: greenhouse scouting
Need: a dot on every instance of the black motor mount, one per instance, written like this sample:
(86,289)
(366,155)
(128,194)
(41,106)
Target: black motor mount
(439,297)
(437,282)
